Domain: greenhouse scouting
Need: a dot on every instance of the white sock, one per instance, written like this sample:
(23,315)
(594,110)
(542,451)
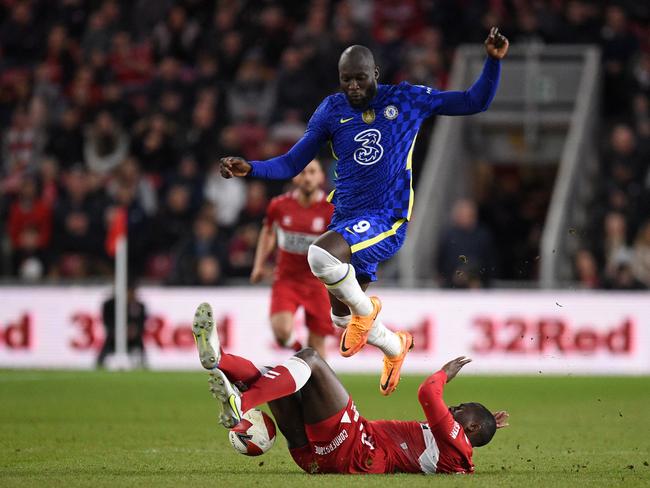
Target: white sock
(349,292)
(341,322)
(299,371)
(380,336)
(385,339)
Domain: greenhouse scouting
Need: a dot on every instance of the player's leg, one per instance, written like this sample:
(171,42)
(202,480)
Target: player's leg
(365,257)
(317,343)
(211,353)
(285,299)
(329,259)
(323,395)
(288,416)
(318,319)
(287,412)
(283,330)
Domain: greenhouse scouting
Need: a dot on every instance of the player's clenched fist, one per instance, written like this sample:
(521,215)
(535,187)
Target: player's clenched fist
(232,166)
(496,44)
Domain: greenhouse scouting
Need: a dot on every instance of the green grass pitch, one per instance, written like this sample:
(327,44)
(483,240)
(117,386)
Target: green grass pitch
(159,429)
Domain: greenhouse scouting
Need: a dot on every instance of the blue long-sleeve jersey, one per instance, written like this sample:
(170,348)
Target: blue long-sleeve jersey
(374,147)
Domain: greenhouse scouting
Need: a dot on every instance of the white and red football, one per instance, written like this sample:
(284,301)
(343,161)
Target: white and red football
(254,435)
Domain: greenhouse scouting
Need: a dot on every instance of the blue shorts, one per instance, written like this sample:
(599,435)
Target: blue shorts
(373,239)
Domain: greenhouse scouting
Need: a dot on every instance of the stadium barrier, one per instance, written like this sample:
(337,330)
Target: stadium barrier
(531,332)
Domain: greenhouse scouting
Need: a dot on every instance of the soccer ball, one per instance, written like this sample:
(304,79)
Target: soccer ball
(254,435)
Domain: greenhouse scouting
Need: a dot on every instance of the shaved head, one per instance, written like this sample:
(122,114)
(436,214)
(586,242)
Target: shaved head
(358,75)
(359,55)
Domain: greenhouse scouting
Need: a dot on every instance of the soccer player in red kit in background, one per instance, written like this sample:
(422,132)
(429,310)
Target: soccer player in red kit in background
(293,221)
(325,431)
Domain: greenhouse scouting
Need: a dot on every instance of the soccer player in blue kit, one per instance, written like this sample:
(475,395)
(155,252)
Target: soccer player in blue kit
(372,130)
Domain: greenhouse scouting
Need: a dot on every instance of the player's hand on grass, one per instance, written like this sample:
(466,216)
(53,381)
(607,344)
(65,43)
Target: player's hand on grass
(502,418)
(452,368)
(232,166)
(496,44)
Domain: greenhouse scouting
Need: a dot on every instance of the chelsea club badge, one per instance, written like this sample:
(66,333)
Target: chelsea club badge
(391,112)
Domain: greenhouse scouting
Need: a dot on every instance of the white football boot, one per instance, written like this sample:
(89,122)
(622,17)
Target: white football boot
(207,342)
(228,394)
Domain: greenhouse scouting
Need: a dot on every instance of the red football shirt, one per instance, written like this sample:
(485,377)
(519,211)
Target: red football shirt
(437,446)
(296,228)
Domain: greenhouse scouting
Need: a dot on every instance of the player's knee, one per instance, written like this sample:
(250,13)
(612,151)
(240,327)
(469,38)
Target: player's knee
(310,356)
(326,267)
(321,261)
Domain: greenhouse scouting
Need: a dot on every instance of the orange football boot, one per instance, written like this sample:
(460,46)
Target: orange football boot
(355,336)
(392,366)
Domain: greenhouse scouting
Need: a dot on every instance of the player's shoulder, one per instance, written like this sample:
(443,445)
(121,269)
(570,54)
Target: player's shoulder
(407,88)
(333,102)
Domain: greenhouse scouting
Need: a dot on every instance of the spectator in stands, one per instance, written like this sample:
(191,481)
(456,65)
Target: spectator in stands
(209,271)
(465,256)
(59,55)
(115,102)
(256,202)
(228,198)
(29,228)
(251,95)
(187,174)
(618,45)
(174,220)
(130,63)
(586,269)
(23,143)
(49,181)
(287,131)
(128,174)
(199,138)
(621,276)
(200,257)
(136,319)
(615,241)
(241,252)
(152,145)
(106,144)
(294,85)
(176,36)
(97,36)
(66,140)
(641,257)
(78,235)
(20,41)
(273,34)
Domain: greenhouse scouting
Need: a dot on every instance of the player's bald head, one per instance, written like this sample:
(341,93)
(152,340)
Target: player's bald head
(357,56)
(477,421)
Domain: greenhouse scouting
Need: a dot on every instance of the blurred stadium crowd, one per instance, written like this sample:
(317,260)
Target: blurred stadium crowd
(131,103)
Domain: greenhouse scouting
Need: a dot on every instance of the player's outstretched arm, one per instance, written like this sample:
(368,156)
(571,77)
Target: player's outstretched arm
(452,368)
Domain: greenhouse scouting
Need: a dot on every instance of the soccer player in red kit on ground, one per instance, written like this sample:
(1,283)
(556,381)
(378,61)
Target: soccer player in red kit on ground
(293,221)
(325,431)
